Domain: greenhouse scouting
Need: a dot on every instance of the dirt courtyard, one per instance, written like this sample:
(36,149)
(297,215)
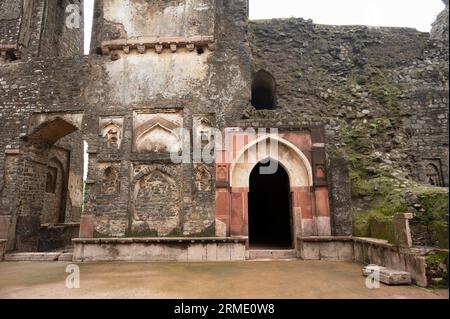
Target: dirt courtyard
(241,280)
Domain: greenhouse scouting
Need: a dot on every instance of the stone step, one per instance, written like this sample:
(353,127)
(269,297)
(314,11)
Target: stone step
(388,276)
(33,256)
(255,254)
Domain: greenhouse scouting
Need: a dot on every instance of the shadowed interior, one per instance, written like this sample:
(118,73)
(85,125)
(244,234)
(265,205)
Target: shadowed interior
(269,209)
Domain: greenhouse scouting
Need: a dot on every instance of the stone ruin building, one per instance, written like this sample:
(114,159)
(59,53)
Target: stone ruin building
(360,112)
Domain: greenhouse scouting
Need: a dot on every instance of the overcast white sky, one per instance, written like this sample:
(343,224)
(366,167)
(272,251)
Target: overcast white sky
(417,14)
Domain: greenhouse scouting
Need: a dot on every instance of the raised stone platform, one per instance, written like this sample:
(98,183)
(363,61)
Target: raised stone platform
(326,248)
(32,257)
(160,249)
(261,254)
(42,256)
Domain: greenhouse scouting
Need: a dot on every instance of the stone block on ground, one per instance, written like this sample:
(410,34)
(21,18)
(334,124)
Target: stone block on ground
(388,276)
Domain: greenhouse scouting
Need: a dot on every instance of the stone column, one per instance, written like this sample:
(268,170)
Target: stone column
(402,231)
(340,197)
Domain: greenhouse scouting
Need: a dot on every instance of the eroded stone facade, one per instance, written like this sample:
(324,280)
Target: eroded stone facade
(158,67)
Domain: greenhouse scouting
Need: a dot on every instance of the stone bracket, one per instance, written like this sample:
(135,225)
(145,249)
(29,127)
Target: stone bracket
(158,44)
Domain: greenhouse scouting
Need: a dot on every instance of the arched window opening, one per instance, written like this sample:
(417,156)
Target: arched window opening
(433,175)
(263,91)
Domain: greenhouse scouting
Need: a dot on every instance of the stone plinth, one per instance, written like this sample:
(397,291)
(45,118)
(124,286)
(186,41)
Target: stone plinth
(160,249)
(325,248)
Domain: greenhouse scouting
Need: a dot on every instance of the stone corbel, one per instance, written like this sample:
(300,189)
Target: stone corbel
(212,46)
(158,43)
(159,48)
(141,48)
(190,47)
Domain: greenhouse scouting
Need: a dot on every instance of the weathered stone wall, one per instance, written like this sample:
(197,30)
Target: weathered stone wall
(380,92)
(37,86)
(57,39)
(118,19)
(10,18)
(440,26)
(31,28)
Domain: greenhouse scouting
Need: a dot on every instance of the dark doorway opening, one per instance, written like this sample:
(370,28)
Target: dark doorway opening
(263,91)
(270,222)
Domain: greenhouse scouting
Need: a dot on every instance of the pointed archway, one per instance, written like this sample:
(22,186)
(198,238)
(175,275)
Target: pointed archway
(270,214)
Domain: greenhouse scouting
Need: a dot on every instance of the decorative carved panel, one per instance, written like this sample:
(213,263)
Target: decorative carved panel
(156,198)
(109,179)
(202,129)
(111,131)
(157,133)
(202,178)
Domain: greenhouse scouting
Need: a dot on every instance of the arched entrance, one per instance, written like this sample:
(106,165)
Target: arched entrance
(51,166)
(270,213)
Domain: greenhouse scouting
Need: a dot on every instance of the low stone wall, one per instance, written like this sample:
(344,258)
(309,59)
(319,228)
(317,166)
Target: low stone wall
(381,253)
(2,248)
(160,249)
(365,251)
(325,248)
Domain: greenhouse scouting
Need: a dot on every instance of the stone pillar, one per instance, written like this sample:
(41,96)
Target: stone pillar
(402,231)
(340,197)
(239,212)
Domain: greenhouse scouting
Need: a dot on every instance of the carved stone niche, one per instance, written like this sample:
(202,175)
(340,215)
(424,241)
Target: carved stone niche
(155,200)
(222,179)
(203,129)
(202,178)
(111,131)
(109,177)
(157,132)
(319,167)
(432,172)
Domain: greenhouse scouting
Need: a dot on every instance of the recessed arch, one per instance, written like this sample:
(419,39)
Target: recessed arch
(54,210)
(52,130)
(158,138)
(264,91)
(292,159)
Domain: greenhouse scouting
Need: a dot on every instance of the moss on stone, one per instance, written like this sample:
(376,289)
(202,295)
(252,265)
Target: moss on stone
(208,232)
(437,269)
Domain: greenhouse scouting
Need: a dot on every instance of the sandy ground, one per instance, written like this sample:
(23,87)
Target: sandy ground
(273,279)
